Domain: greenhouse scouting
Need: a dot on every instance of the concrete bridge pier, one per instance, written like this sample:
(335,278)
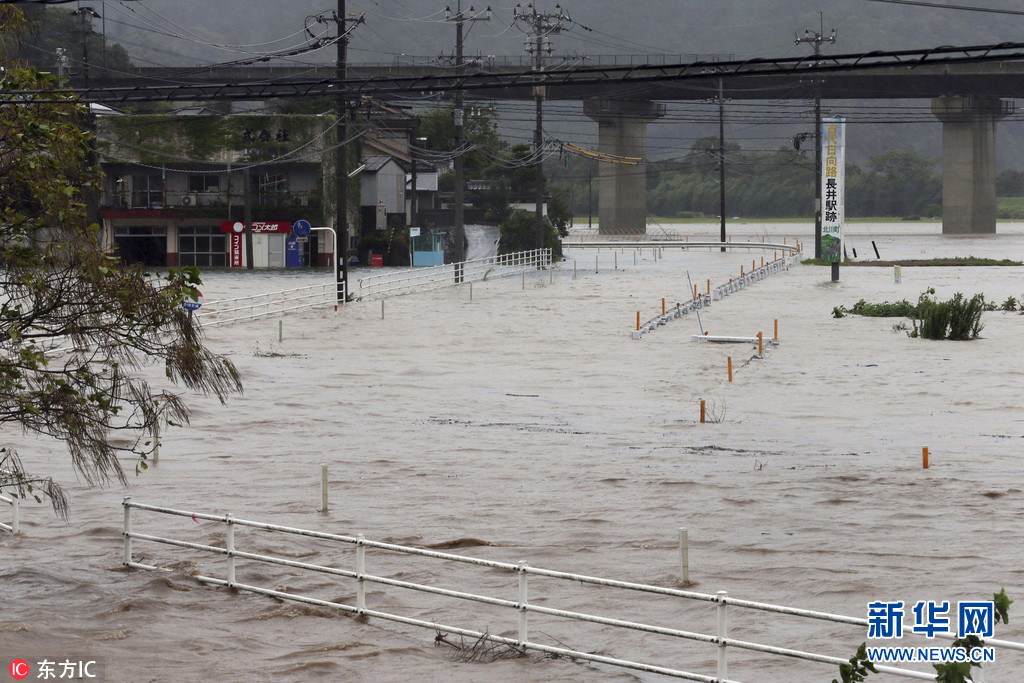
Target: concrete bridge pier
(622,189)
(969,162)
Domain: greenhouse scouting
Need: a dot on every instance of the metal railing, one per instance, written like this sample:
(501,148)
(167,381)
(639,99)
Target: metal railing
(268,303)
(418,279)
(15,524)
(662,242)
(524,605)
(733,286)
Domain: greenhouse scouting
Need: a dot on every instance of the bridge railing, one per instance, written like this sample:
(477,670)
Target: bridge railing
(522,612)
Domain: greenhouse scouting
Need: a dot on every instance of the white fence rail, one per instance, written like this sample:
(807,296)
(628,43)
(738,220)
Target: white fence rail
(524,605)
(15,524)
(269,303)
(648,243)
(417,279)
(756,275)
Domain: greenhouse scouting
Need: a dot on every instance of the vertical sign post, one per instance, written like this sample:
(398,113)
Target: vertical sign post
(833,176)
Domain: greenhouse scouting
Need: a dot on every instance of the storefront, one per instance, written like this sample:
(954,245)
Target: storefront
(273,245)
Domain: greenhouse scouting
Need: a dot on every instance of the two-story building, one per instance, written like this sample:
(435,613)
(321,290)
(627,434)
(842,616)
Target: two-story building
(175,187)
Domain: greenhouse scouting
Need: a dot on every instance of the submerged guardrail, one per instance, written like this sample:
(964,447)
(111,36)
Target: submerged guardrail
(525,604)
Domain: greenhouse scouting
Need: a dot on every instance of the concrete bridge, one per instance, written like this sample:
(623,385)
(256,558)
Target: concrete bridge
(968,89)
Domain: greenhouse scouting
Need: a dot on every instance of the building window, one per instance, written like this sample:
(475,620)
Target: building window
(147,191)
(201,247)
(272,189)
(206,182)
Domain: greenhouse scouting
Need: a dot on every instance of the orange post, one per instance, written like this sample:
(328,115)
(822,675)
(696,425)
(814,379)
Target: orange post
(760,344)
(776,337)
(702,410)
(709,285)
(924,455)
(762,261)
(638,321)
(753,265)
(695,292)
(663,305)
(741,271)
(730,368)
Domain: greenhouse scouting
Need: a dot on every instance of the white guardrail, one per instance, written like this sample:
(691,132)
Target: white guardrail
(15,524)
(524,606)
(225,311)
(418,279)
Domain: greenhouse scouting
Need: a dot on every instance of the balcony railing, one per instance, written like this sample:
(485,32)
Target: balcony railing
(181,199)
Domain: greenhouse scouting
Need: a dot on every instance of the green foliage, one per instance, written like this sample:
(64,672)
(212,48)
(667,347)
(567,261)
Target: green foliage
(899,309)
(50,28)
(208,137)
(480,130)
(1010,183)
(559,211)
(519,233)
(1009,305)
(1010,208)
(781,183)
(957,319)
(858,668)
(898,182)
(953,672)
(74,323)
(1002,603)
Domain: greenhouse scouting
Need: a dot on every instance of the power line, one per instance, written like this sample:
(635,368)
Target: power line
(921,3)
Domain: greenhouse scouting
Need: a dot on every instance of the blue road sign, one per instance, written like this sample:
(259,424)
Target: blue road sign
(190,304)
(301,228)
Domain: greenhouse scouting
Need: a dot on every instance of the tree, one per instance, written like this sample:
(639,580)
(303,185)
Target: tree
(51,28)
(75,323)
(480,131)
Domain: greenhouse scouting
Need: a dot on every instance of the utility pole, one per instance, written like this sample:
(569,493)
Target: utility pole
(816,39)
(460,230)
(541,25)
(341,153)
(86,14)
(721,158)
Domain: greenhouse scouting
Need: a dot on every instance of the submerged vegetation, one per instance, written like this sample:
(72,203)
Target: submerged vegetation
(958,318)
(947,261)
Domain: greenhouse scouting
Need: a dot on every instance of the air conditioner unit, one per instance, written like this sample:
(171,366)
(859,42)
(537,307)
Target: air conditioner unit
(191,199)
(300,200)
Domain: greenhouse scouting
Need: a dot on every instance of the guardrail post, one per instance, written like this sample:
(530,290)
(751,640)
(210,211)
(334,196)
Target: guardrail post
(323,476)
(126,502)
(360,570)
(15,514)
(723,628)
(523,579)
(229,545)
(684,541)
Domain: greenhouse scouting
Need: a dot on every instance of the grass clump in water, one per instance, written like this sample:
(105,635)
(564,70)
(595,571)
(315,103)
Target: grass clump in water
(956,319)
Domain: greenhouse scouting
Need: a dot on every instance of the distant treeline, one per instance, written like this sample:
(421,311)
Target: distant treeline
(777,183)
